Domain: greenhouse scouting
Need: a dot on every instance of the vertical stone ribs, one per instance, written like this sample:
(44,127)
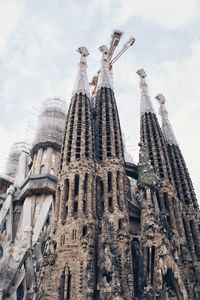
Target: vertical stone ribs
(99,110)
(79,127)
(71,126)
(181,176)
(152,137)
(180,172)
(108,135)
(79,130)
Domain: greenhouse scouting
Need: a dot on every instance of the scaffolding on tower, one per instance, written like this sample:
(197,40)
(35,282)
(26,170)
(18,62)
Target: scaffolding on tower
(51,123)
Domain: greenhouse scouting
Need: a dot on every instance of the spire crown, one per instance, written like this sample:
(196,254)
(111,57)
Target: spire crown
(105,76)
(166,125)
(146,105)
(81,83)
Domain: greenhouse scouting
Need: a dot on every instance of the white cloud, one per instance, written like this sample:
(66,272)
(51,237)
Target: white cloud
(11,12)
(171,14)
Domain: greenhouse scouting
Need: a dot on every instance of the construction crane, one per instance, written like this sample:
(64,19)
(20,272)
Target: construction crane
(115,39)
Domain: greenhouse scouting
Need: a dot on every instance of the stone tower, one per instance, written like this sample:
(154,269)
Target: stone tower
(91,241)
(28,209)
(74,241)
(115,280)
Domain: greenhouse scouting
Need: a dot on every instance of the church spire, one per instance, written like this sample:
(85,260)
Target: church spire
(151,134)
(81,83)
(166,125)
(145,105)
(105,76)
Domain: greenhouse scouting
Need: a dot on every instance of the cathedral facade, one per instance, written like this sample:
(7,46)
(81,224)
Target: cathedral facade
(78,222)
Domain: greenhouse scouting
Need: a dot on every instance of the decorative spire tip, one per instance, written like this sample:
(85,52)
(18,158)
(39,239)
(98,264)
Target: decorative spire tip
(81,83)
(105,76)
(141,73)
(166,125)
(161,99)
(83,51)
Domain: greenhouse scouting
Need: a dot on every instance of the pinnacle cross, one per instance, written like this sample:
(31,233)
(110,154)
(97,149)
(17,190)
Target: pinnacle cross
(81,83)
(166,125)
(105,76)
(146,105)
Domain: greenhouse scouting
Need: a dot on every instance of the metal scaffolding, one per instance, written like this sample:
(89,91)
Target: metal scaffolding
(13,158)
(51,122)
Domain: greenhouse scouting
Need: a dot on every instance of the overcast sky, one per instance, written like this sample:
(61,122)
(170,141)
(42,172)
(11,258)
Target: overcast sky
(38,60)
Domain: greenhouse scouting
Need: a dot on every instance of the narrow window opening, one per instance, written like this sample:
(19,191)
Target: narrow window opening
(118,179)
(148,260)
(100,197)
(62,239)
(137,267)
(85,187)
(110,204)
(74,234)
(42,169)
(152,263)
(158,200)
(85,230)
(86,183)
(69,280)
(52,171)
(109,182)
(76,186)
(120,224)
(75,213)
(165,197)
(66,190)
(119,203)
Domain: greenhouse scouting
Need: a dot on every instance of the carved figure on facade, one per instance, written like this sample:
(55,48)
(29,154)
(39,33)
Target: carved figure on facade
(49,256)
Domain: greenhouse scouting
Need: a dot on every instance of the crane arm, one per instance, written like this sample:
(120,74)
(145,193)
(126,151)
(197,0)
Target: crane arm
(115,39)
(129,43)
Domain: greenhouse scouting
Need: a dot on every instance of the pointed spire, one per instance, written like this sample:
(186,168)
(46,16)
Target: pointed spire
(145,105)
(105,76)
(81,83)
(166,126)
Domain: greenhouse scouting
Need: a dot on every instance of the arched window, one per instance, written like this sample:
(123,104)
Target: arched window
(52,172)
(42,169)
(74,234)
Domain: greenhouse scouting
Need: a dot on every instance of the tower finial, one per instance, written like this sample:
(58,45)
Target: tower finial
(166,125)
(105,76)
(81,83)
(146,105)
